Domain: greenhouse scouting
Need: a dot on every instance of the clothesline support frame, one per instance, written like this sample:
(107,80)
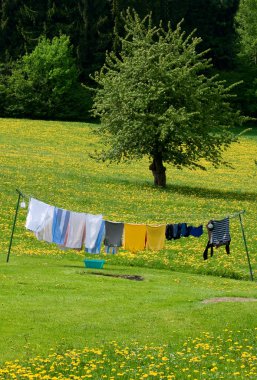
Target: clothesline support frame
(20,195)
(245,244)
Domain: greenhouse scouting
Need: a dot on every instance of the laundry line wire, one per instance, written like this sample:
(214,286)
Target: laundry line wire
(172,214)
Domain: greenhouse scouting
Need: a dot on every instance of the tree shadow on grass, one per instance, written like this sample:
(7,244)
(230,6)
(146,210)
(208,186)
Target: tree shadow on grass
(200,192)
(181,189)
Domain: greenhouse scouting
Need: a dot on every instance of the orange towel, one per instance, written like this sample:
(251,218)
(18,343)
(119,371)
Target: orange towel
(155,237)
(134,237)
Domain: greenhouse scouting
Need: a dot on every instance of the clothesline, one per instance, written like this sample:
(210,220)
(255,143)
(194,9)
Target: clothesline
(181,216)
(238,213)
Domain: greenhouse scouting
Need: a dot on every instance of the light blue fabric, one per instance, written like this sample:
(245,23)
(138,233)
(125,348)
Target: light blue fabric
(60,225)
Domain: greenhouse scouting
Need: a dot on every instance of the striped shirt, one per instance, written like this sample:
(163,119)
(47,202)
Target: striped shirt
(220,233)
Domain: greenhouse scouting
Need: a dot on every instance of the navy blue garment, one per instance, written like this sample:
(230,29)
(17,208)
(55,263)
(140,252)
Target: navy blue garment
(177,231)
(196,231)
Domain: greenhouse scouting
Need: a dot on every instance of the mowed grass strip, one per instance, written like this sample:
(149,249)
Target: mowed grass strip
(56,303)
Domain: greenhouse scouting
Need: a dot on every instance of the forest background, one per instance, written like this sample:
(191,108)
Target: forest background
(49,49)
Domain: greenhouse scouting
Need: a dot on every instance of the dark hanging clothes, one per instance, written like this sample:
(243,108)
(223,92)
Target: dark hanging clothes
(176,231)
(173,231)
(218,233)
(196,231)
(185,230)
(169,231)
(113,234)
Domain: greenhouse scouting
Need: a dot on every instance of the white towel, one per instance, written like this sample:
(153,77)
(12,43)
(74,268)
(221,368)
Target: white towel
(45,231)
(76,230)
(93,225)
(36,215)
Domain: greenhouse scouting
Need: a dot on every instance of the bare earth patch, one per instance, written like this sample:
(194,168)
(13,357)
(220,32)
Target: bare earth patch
(229,299)
(126,276)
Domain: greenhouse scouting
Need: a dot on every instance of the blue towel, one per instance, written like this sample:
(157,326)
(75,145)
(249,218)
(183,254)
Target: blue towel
(60,225)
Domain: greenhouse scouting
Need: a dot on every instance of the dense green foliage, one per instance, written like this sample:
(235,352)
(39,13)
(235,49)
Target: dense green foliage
(44,83)
(90,24)
(246,68)
(154,100)
(247,28)
(94,26)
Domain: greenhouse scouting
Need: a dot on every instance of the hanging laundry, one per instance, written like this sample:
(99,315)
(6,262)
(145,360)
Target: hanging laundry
(218,234)
(45,231)
(169,231)
(37,212)
(177,231)
(134,237)
(76,230)
(60,225)
(97,247)
(113,234)
(155,237)
(185,230)
(196,231)
(173,231)
(112,250)
(93,225)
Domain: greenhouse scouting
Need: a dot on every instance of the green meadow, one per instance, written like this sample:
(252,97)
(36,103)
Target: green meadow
(59,320)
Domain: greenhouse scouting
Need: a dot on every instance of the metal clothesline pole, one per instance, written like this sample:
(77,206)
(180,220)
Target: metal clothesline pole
(246,248)
(14,223)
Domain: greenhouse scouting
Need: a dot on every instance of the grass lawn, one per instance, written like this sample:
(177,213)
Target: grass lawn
(61,321)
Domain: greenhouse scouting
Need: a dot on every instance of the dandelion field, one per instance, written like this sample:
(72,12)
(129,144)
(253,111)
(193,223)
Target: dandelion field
(161,328)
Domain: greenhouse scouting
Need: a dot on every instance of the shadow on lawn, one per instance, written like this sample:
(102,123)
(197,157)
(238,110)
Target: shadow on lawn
(200,192)
(137,184)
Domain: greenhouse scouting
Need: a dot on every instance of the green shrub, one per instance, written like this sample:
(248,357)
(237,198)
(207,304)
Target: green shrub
(44,84)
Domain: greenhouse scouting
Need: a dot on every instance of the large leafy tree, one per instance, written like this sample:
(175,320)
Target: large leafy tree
(156,100)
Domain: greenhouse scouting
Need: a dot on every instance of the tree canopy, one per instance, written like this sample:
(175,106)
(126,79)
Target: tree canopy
(156,99)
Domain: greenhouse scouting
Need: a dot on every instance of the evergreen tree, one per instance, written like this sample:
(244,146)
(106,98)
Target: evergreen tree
(246,70)
(214,23)
(11,41)
(247,29)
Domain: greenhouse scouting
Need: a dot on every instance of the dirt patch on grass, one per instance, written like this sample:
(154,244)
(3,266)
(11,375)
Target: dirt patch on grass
(126,276)
(229,299)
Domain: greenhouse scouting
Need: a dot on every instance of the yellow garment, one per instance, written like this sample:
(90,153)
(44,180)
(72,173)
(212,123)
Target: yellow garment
(155,237)
(134,237)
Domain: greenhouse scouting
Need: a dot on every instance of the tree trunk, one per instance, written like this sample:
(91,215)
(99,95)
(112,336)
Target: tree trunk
(159,171)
